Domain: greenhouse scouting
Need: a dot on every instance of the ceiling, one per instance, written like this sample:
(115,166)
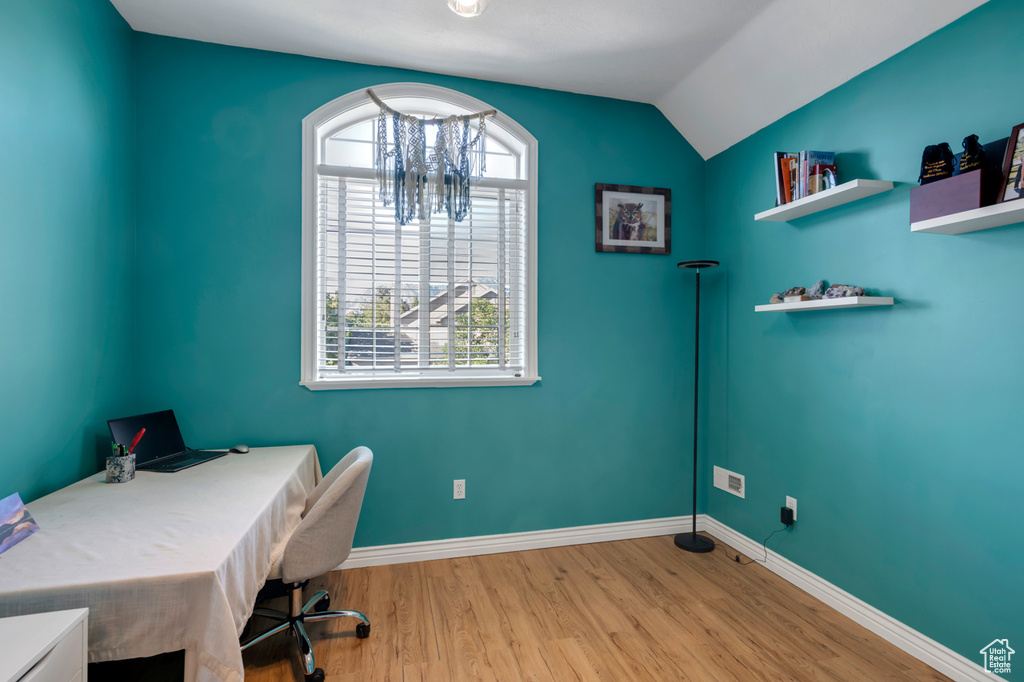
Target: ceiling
(718,69)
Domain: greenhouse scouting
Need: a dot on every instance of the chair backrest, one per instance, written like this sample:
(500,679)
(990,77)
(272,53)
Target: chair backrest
(323,539)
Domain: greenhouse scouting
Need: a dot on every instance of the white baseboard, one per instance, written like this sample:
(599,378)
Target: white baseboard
(923,648)
(384,555)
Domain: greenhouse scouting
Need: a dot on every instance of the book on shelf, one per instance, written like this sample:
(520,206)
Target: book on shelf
(798,168)
(785,174)
(780,198)
(812,159)
(798,189)
(789,165)
(822,177)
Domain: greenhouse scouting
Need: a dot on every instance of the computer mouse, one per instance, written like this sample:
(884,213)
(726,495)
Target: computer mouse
(241,449)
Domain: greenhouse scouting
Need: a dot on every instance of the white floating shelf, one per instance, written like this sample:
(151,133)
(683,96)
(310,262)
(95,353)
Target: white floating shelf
(976,219)
(837,196)
(825,304)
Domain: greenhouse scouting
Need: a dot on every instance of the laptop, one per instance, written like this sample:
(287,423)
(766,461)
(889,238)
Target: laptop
(162,447)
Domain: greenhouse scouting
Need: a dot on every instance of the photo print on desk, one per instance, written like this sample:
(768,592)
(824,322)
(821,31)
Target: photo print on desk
(16,523)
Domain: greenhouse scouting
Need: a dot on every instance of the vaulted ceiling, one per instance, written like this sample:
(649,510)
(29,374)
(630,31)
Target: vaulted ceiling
(718,69)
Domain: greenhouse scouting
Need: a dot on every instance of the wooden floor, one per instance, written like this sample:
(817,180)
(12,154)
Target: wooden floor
(628,610)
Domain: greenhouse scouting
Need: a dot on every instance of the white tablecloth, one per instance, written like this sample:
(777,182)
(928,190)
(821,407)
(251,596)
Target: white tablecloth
(164,562)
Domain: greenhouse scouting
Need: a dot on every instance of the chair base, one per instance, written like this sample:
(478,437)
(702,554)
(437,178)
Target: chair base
(300,614)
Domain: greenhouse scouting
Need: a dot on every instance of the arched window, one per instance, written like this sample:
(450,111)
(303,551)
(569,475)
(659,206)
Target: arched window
(435,302)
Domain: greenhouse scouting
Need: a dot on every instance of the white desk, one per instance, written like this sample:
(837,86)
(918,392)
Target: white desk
(164,562)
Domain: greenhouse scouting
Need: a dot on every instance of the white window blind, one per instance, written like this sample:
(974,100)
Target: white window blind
(431,296)
(434,302)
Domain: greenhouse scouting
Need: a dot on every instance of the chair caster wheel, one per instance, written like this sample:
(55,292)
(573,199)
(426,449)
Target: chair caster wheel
(323,604)
(362,630)
(317,676)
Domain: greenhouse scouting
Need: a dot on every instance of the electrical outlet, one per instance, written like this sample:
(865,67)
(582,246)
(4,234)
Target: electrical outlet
(791,503)
(460,489)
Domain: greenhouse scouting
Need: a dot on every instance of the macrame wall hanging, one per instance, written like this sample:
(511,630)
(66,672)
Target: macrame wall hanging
(421,179)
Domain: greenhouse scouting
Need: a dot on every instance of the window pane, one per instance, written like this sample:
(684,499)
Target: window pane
(360,131)
(500,165)
(349,153)
(433,298)
(354,147)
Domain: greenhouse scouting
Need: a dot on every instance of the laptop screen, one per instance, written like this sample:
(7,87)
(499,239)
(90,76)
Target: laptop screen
(162,436)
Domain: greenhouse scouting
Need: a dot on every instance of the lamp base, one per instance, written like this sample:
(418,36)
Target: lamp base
(692,542)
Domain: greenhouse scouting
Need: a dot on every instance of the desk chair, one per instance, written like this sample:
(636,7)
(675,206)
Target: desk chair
(320,543)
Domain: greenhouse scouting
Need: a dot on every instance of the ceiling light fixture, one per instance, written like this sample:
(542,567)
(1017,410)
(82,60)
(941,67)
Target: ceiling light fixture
(468,8)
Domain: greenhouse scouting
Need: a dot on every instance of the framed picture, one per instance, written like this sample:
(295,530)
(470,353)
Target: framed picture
(632,219)
(1013,163)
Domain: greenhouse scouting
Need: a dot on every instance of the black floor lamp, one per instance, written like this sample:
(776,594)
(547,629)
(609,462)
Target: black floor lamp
(692,542)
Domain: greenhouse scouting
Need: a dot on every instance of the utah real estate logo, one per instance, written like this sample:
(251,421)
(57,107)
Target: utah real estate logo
(997,656)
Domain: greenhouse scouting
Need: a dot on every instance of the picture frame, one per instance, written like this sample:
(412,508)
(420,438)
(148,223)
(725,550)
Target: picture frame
(1012,186)
(632,219)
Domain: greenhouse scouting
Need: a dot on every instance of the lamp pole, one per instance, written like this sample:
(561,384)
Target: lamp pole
(692,542)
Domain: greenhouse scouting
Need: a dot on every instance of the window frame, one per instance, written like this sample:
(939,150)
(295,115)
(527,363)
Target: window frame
(352,105)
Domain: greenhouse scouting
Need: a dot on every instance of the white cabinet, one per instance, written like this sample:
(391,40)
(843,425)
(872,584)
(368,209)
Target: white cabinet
(45,647)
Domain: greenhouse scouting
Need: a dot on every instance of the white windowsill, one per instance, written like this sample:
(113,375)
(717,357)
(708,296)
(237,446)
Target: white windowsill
(406,382)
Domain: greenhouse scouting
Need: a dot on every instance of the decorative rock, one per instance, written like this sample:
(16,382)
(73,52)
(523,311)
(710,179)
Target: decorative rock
(818,290)
(859,291)
(777,298)
(795,291)
(840,291)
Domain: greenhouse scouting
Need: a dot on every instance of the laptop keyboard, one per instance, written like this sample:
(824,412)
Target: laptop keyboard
(184,459)
(185,456)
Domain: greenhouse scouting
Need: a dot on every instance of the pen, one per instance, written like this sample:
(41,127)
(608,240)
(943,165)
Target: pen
(135,441)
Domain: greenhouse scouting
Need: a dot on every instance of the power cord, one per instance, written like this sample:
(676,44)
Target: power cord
(764,545)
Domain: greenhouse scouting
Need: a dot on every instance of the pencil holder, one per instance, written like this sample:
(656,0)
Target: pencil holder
(120,469)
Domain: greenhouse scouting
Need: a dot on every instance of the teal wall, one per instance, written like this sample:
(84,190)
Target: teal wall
(601,439)
(893,427)
(897,429)
(66,236)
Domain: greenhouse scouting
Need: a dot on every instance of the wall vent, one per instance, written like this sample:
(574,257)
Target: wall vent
(731,482)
